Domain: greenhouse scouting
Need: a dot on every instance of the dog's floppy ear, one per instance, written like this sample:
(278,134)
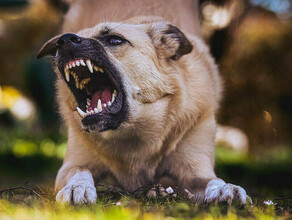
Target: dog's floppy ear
(169,40)
(49,48)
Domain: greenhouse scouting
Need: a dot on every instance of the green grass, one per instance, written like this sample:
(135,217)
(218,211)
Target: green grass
(29,206)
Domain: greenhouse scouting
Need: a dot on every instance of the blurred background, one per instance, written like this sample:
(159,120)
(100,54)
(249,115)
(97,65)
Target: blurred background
(251,41)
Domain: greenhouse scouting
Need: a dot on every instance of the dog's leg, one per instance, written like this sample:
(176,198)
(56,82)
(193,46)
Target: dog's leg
(75,179)
(192,164)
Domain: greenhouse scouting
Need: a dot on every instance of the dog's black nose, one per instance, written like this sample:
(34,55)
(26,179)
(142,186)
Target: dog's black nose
(68,38)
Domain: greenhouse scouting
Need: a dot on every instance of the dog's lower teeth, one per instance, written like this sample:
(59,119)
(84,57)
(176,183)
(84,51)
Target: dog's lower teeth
(99,105)
(81,113)
(113,97)
(67,75)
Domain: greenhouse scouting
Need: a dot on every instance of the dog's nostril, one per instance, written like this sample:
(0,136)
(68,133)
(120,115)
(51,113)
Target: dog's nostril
(75,39)
(68,38)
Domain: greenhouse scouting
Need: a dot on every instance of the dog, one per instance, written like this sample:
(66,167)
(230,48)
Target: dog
(139,97)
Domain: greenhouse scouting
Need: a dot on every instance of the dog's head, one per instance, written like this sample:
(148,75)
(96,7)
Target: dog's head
(113,69)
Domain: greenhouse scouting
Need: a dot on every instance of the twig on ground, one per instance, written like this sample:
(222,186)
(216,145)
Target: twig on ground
(26,189)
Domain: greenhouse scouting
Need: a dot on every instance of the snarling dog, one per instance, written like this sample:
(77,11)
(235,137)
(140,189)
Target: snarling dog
(139,98)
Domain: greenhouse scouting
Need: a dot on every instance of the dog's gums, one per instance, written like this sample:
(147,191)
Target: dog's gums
(100,96)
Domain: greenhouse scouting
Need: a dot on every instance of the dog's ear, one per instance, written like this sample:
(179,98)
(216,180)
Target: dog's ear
(49,48)
(169,40)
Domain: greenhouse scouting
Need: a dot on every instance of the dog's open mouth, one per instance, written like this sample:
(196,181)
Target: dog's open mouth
(94,88)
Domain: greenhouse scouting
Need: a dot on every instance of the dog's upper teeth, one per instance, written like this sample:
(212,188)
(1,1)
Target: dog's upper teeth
(109,103)
(88,63)
(97,69)
(81,113)
(77,63)
(67,75)
(73,64)
(82,63)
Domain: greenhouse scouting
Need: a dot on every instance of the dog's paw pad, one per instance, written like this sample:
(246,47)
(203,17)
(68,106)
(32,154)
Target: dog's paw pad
(218,190)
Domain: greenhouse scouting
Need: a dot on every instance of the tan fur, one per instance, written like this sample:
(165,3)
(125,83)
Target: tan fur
(171,125)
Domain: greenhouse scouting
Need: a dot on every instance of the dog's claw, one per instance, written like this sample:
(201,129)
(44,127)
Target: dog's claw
(219,191)
(79,190)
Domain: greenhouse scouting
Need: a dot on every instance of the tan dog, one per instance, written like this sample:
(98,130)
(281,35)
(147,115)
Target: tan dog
(139,98)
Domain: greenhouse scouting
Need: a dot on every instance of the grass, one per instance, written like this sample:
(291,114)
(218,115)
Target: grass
(20,204)
(264,178)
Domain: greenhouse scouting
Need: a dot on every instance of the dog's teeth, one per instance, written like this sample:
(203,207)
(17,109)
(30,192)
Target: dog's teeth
(100,70)
(88,63)
(73,64)
(77,63)
(99,105)
(88,101)
(74,76)
(96,110)
(77,83)
(104,105)
(82,63)
(95,68)
(67,67)
(87,112)
(67,75)
(115,92)
(81,113)
(70,66)
(113,97)
(109,103)
(92,112)
(85,81)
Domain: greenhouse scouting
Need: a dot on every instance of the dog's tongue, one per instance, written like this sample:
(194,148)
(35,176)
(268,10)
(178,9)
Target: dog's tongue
(104,95)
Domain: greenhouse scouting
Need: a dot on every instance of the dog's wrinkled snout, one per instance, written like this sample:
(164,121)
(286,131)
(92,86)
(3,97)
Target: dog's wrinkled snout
(68,38)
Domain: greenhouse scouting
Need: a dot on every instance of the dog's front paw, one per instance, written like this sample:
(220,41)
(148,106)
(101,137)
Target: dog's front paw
(218,190)
(78,190)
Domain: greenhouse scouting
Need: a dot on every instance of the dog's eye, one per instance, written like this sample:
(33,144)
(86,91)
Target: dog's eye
(114,40)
